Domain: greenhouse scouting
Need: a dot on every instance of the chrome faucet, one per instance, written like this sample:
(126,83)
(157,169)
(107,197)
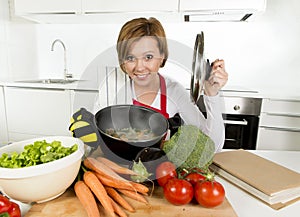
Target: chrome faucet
(66,74)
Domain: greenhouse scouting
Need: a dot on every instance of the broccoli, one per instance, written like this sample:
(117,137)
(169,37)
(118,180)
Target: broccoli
(190,148)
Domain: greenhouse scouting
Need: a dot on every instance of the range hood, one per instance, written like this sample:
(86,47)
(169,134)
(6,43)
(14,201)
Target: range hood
(221,10)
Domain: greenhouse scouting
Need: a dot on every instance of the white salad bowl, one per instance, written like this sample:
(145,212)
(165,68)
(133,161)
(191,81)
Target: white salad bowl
(41,182)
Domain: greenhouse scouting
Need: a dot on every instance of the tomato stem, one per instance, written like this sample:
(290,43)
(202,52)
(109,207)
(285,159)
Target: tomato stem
(210,176)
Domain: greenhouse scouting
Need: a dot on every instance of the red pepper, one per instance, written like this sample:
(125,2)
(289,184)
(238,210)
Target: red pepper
(9,208)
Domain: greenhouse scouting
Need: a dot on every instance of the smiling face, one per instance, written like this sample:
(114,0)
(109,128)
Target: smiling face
(143,61)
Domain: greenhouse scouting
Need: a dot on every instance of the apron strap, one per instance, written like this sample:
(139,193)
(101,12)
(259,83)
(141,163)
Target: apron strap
(163,95)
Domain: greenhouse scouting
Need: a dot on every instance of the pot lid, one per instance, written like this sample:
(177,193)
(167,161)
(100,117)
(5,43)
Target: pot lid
(200,69)
(197,67)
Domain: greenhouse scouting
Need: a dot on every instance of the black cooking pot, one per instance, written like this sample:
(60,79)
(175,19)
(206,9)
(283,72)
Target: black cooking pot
(129,116)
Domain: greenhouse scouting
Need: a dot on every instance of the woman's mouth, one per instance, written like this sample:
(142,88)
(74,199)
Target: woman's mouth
(141,76)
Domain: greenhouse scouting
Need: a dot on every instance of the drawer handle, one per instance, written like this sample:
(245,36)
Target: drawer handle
(284,115)
(282,129)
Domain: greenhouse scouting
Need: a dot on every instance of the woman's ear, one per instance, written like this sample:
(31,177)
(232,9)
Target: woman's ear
(162,60)
(123,68)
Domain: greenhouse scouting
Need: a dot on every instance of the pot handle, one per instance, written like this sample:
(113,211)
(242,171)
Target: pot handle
(83,126)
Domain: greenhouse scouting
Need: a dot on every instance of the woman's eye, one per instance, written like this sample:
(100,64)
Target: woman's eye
(130,58)
(149,57)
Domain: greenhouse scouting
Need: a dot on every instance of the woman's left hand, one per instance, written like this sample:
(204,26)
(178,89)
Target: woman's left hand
(217,79)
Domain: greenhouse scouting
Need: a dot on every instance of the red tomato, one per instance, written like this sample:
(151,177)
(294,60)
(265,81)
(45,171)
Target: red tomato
(178,191)
(9,207)
(209,193)
(15,211)
(164,172)
(194,177)
(5,204)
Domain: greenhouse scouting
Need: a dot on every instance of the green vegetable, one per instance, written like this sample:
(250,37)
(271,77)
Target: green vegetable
(189,148)
(37,153)
(141,170)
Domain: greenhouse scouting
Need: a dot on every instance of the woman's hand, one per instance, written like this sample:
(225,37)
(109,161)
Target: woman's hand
(217,79)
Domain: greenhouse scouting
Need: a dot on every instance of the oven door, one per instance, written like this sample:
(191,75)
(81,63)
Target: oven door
(240,131)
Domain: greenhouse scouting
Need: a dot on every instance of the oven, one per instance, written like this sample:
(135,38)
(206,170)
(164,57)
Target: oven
(241,119)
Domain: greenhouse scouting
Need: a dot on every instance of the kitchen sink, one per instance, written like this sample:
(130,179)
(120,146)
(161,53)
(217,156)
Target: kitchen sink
(50,81)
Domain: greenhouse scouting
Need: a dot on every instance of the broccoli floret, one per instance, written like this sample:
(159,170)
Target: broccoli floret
(189,147)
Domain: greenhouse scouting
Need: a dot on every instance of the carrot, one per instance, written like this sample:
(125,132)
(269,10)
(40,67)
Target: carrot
(140,188)
(103,170)
(134,195)
(118,209)
(114,183)
(116,167)
(87,199)
(133,185)
(98,189)
(119,199)
(109,182)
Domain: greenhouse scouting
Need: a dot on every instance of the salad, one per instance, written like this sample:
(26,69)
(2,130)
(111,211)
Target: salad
(37,153)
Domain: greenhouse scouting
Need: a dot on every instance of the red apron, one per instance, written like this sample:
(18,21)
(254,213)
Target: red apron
(163,99)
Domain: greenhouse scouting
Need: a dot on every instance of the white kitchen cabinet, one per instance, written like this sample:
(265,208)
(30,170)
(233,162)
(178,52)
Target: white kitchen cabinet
(3,123)
(279,127)
(278,106)
(34,112)
(22,7)
(83,99)
(92,11)
(278,139)
(129,6)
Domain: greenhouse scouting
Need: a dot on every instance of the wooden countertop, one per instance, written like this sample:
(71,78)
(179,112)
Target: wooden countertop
(67,205)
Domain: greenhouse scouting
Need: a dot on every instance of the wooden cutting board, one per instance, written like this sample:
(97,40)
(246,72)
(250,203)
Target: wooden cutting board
(67,205)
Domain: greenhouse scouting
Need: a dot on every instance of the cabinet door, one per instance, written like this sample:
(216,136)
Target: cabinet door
(47,6)
(278,139)
(3,124)
(280,121)
(129,6)
(273,106)
(37,112)
(279,126)
(83,99)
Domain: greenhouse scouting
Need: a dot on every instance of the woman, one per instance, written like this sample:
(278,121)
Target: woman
(142,51)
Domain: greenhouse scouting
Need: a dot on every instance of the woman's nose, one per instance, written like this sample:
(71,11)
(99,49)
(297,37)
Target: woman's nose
(140,64)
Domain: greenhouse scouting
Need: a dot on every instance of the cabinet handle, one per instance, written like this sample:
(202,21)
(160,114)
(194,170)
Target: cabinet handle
(285,115)
(282,129)
(38,88)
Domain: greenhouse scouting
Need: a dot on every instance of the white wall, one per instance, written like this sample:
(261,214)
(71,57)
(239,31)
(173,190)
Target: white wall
(258,54)
(3,40)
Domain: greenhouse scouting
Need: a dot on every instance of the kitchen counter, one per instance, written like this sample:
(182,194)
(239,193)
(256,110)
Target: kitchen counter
(77,85)
(231,91)
(244,204)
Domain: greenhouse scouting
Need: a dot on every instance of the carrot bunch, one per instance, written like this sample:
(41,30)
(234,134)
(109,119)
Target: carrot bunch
(103,183)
